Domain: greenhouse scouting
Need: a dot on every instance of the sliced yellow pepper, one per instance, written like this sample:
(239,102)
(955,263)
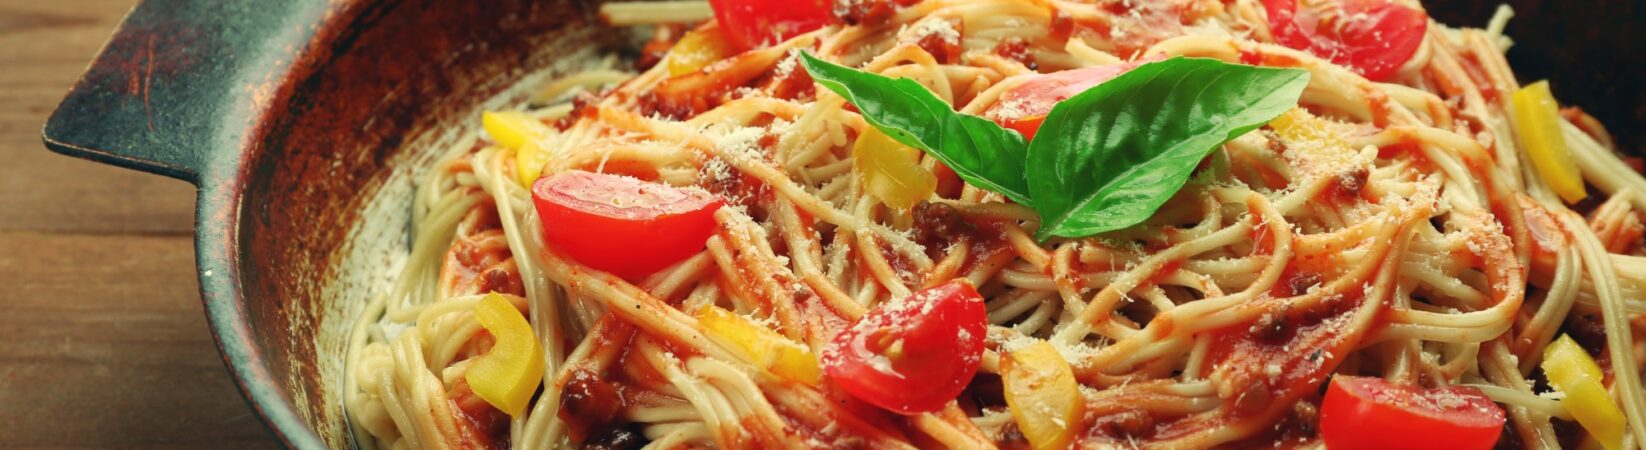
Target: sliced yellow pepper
(1537,123)
(760,345)
(1042,393)
(508,374)
(698,48)
(891,171)
(1570,370)
(1299,126)
(524,134)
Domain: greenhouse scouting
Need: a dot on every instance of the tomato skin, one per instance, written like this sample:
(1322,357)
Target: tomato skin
(1382,38)
(1025,106)
(1364,413)
(756,23)
(622,225)
(939,331)
(1026,126)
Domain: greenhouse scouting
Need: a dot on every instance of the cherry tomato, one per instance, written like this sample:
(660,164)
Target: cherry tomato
(1025,106)
(1374,37)
(1364,413)
(757,23)
(914,354)
(623,225)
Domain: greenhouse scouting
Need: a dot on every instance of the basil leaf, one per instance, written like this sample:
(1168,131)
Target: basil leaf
(982,153)
(1107,158)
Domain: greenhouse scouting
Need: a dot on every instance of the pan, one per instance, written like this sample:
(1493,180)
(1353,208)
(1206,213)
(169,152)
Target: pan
(299,119)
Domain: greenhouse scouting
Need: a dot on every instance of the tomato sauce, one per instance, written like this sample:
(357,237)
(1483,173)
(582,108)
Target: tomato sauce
(1281,358)
(740,188)
(1263,241)
(1062,25)
(1379,103)
(823,322)
(1408,148)
(794,84)
(480,425)
(583,107)
(1346,188)
(1488,89)
(1016,49)
(589,404)
(1166,270)
(643,170)
(479,260)
(988,247)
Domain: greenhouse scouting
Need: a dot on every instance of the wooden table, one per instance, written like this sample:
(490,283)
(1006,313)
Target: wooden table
(103,342)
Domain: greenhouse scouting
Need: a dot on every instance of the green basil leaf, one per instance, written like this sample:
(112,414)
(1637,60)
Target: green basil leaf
(982,153)
(1107,158)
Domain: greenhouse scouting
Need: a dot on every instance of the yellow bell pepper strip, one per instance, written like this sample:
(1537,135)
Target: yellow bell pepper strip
(507,375)
(760,345)
(697,49)
(524,134)
(1537,123)
(1570,370)
(891,171)
(1313,134)
(1042,393)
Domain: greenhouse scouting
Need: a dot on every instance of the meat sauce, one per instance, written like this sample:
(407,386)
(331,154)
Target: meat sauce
(480,425)
(938,227)
(479,260)
(1016,49)
(853,12)
(592,403)
(944,50)
(1283,357)
(1346,188)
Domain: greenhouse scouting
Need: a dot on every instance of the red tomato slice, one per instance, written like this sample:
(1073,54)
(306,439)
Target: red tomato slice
(1374,37)
(1024,106)
(757,23)
(911,355)
(1026,126)
(1364,413)
(623,225)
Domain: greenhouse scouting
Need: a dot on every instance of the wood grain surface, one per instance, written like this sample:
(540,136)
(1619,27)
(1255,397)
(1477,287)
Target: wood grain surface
(103,342)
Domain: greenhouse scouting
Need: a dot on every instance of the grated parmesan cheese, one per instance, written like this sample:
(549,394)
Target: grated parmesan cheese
(930,26)
(787,65)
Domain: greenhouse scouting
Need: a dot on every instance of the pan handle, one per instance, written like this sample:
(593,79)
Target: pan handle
(178,82)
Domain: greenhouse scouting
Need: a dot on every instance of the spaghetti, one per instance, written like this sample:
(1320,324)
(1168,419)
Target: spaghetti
(1393,229)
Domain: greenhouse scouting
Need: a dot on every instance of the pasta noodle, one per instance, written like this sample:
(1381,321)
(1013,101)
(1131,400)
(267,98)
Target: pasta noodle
(1391,229)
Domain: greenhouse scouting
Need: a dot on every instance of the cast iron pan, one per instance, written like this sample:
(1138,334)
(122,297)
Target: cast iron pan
(297,118)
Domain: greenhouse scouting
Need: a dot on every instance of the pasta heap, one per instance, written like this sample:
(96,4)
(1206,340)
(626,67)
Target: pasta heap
(1389,229)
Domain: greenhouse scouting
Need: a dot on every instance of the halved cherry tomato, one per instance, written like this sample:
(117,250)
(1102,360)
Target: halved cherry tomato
(1025,106)
(1364,413)
(756,23)
(914,354)
(623,225)
(1374,37)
